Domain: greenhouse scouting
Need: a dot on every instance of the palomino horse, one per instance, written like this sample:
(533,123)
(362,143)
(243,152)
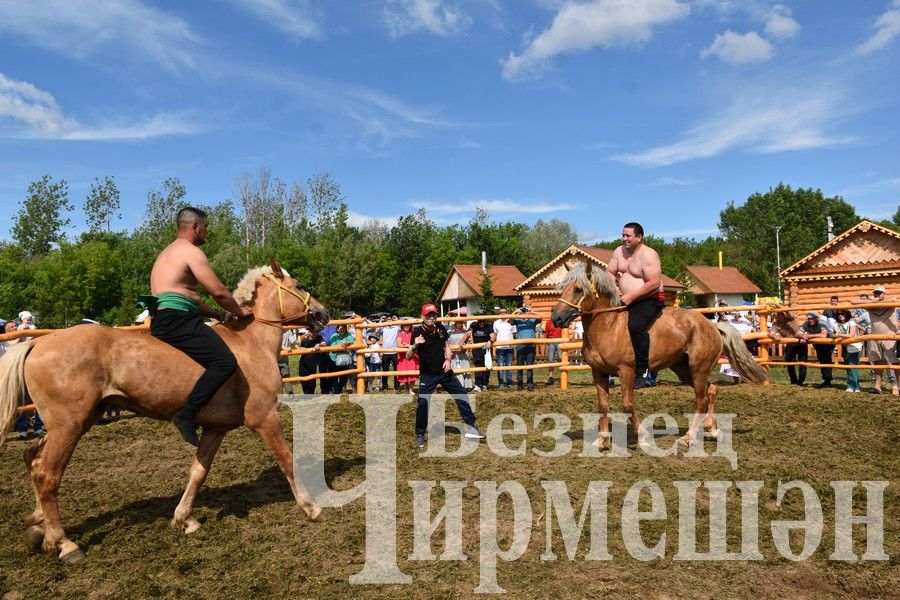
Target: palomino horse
(682,340)
(70,373)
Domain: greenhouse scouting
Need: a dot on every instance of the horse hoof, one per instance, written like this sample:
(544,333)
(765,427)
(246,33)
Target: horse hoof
(35,538)
(713,434)
(684,443)
(192,525)
(602,444)
(318,515)
(72,557)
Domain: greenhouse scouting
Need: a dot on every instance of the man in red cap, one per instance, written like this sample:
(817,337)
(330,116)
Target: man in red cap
(430,343)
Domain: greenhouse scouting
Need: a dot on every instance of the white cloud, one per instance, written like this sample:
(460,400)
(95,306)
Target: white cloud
(672,181)
(887,27)
(882,185)
(581,27)
(296,18)
(439,17)
(79,28)
(34,113)
(737,48)
(780,24)
(494,206)
(372,119)
(768,123)
(360,220)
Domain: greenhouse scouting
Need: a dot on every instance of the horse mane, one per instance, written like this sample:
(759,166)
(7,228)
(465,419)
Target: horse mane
(246,287)
(599,281)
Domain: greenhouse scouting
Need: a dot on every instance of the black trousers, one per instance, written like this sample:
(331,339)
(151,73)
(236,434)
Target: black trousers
(482,377)
(187,332)
(389,363)
(640,316)
(308,367)
(825,355)
(796,353)
(525,356)
(427,385)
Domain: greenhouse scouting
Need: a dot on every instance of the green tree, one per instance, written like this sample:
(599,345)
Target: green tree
(41,217)
(101,204)
(162,206)
(546,239)
(16,274)
(486,299)
(749,229)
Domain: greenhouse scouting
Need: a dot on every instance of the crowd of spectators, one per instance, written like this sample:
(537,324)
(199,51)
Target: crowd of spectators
(32,419)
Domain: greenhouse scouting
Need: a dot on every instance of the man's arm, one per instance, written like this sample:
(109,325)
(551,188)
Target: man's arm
(612,267)
(203,273)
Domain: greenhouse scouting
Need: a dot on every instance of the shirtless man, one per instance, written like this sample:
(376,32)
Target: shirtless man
(640,285)
(882,352)
(178,321)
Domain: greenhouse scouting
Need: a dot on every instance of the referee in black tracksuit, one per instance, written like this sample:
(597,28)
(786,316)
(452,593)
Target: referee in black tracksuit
(430,343)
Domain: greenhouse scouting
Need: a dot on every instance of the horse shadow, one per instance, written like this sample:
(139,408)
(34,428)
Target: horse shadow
(238,500)
(632,438)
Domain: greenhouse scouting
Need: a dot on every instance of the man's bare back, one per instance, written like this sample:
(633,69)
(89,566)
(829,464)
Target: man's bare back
(172,272)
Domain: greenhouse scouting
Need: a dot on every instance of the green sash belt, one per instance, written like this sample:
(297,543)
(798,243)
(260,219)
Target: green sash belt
(169,300)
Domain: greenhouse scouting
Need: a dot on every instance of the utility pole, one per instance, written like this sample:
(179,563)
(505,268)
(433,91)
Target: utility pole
(778,258)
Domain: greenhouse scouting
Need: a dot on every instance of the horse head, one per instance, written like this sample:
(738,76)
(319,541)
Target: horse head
(278,299)
(583,290)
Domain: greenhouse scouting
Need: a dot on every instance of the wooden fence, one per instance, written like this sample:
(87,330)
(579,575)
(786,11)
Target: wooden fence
(567,345)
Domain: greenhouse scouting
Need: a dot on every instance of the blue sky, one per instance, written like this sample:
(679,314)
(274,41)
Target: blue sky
(594,112)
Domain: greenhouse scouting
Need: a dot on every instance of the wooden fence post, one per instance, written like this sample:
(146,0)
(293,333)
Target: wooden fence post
(360,360)
(764,348)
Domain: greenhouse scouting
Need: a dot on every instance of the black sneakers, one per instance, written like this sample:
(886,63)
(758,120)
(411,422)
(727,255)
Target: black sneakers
(640,381)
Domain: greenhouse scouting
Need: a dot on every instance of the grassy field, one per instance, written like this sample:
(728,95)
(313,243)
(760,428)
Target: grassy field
(126,479)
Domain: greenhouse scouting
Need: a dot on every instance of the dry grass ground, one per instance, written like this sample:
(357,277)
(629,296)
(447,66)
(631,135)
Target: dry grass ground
(126,478)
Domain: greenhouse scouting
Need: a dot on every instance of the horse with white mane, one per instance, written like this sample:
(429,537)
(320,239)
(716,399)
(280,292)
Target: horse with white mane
(69,375)
(681,340)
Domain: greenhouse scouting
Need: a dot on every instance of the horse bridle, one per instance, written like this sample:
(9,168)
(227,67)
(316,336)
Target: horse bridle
(590,312)
(283,319)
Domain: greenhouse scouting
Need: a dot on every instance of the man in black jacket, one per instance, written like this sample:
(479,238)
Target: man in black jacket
(430,343)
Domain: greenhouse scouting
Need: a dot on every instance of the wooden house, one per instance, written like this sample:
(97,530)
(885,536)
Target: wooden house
(853,263)
(462,288)
(541,286)
(711,285)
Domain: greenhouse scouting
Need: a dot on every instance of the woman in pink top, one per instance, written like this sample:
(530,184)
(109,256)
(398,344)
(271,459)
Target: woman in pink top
(404,340)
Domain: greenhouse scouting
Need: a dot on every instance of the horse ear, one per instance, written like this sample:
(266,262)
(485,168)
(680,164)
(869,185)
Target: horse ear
(276,268)
(587,268)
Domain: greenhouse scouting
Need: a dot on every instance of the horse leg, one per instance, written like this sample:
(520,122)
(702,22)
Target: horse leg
(31,452)
(269,429)
(48,463)
(709,423)
(700,409)
(35,520)
(627,375)
(210,441)
(601,381)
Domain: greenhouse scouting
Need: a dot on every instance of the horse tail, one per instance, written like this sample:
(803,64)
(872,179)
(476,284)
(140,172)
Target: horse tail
(12,384)
(739,357)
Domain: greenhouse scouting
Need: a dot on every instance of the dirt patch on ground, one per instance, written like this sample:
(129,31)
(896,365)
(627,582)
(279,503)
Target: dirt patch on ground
(126,478)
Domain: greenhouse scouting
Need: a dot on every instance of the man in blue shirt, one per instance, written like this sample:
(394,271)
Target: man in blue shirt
(526,328)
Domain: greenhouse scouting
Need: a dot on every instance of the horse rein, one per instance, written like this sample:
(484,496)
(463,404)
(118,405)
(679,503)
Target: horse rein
(594,311)
(279,322)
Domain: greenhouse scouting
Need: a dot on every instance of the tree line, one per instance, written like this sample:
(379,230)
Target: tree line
(100,273)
